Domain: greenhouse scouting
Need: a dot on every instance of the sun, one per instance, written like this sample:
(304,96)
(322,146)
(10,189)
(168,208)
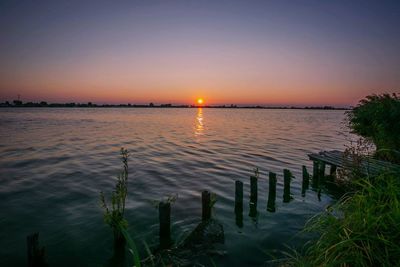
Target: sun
(200,101)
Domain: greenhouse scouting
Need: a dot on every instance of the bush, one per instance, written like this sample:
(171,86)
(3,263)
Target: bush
(377,118)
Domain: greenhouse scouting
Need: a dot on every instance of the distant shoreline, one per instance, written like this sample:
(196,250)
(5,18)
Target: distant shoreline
(20,104)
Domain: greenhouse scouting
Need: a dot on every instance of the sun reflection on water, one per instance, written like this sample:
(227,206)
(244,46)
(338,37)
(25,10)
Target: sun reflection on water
(199,122)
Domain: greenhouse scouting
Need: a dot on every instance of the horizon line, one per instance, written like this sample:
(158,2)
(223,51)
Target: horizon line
(20,103)
(144,103)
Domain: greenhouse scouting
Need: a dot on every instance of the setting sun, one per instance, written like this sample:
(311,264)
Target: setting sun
(200,101)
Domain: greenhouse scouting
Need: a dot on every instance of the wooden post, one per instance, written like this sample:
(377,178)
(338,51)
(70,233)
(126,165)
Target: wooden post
(306,179)
(321,170)
(33,249)
(253,209)
(287,176)
(253,197)
(36,255)
(271,192)
(239,219)
(238,196)
(315,169)
(332,171)
(206,205)
(164,212)
(315,178)
(253,189)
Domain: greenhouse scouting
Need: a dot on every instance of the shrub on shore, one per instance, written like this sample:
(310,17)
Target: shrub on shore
(376,118)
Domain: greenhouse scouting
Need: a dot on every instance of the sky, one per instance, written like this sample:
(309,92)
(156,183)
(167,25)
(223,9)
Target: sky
(226,52)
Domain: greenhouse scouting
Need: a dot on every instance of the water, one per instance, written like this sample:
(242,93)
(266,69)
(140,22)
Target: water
(54,163)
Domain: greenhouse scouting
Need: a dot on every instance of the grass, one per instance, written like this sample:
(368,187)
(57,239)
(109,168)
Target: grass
(362,229)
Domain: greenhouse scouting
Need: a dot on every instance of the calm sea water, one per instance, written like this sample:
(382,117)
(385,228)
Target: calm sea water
(54,163)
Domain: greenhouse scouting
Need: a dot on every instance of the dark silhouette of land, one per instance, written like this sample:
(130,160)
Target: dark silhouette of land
(19,103)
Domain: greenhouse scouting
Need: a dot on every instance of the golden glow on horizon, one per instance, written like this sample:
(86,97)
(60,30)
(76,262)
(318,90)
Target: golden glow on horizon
(200,101)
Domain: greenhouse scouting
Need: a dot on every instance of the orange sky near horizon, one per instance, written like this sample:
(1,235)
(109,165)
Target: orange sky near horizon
(180,78)
(214,90)
(212,96)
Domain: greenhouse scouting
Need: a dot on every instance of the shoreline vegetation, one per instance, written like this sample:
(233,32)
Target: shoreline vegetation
(363,227)
(43,104)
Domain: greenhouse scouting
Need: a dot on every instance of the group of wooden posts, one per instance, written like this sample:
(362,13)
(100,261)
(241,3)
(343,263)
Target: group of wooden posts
(318,173)
(287,177)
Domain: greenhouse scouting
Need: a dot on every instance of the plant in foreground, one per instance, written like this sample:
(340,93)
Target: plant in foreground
(362,229)
(114,212)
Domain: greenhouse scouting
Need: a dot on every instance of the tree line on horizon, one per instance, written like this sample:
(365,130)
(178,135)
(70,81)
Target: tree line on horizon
(19,103)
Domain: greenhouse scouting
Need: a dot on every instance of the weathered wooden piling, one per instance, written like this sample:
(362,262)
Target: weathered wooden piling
(287,177)
(253,209)
(36,255)
(306,179)
(253,189)
(164,212)
(271,192)
(206,205)
(315,177)
(315,169)
(332,171)
(238,196)
(239,219)
(321,170)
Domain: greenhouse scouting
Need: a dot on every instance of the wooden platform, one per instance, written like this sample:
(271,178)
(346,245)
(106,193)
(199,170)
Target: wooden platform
(369,166)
